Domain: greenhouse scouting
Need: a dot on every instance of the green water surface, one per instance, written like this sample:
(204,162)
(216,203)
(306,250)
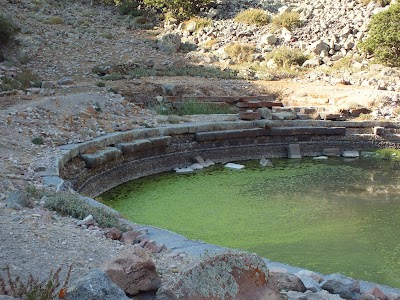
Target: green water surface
(329,216)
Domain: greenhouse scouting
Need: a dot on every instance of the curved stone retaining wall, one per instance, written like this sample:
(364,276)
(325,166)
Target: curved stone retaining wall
(105,162)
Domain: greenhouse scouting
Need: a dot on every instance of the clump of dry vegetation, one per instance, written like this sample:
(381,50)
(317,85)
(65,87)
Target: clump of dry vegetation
(288,20)
(257,17)
(240,52)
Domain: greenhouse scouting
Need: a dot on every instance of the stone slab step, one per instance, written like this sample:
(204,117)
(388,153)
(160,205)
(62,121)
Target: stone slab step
(231,134)
(225,99)
(252,104)
(135,146)
(101,157)
(286,131)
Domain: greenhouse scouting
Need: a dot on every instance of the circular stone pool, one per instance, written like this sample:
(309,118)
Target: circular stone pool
(332,215)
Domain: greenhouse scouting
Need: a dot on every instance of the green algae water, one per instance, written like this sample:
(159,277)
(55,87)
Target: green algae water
(332,215)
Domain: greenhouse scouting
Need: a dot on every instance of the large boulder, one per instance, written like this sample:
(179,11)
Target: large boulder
(339,284)
(169,43)
(318,47)
(95,285)
(228,275)
(133,271)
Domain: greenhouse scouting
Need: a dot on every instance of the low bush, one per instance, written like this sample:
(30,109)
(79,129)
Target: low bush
(113,76)
(257,17)
(204,108)
(342,64)
(192,71)
(54,20)
(383,40)
(37,140)
(71,205)
(288,20)
(286,57)
(240,52)
(179,9)
(25,79)
(7,30)
(33,288)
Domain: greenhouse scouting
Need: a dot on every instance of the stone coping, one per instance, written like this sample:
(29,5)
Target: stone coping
(174,241)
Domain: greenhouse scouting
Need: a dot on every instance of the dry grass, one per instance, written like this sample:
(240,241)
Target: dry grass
(288,20)
(240,52)
(257,17)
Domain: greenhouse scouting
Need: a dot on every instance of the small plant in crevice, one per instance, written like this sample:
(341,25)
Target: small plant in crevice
(37,140)
(33,288)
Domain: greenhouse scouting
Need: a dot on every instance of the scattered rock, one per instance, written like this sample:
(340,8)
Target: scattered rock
(133,271)
(338,284)
(95,285)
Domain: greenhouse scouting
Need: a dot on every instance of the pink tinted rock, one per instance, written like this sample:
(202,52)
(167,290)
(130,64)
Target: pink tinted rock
(113,233)
(153,247)
(133,271)
(129,237)
(376,292)
(229,275)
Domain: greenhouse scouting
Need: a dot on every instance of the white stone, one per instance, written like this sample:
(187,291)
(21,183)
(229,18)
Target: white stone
(320,157)
(266,162)
(350,154)
(234,166)
(196,166)
(184,170)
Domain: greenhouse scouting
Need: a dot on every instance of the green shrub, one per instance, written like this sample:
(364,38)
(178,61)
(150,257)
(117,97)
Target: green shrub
(71,205)
(253,17)
(7,30)
(204,108)
(288,20)
(37,140)
(193,71)
(286,57)
(100,84)
(34,289)
(23,80)
(180,9)
(113,76)
(240,52)
(129,7)
(388,153)
(384,37)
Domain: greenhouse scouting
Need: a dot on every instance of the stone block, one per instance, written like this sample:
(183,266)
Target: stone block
(249,115)
(331,151)
(231,134)
(294,151)
(284,116)
(351,154)
(378,130)
(101,157)
(159,142)
(300,130)
(358,111)
(135,146)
